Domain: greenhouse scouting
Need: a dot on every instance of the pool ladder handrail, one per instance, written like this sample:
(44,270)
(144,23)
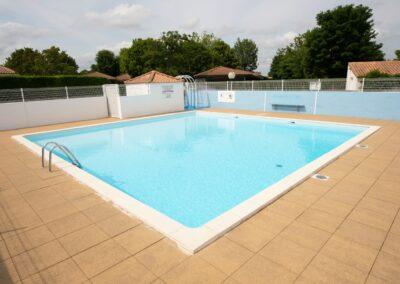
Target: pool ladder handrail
(64,149)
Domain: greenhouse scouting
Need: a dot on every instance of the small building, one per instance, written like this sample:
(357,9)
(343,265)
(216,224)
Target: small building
(5,71)
(220,73)
(356,71)
(123,77)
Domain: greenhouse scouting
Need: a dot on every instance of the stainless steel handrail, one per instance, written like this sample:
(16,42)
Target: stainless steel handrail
(64,149)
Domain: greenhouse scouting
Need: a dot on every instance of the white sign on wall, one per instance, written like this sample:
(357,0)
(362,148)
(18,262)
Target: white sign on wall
(226,96)
(167,90)
(137,89)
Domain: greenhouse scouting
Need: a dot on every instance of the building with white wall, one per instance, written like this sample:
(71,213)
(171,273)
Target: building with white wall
(356,71)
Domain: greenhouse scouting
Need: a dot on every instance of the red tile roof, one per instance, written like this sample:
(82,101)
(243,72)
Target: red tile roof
(153,77)
(360,69)
(123,77)
(99,75)
(6,71)
(224,71)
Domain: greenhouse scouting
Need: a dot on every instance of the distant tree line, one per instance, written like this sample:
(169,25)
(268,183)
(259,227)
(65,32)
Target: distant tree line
(343,34)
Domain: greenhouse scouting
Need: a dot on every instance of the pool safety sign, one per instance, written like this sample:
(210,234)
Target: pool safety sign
(226,96)
(167,90)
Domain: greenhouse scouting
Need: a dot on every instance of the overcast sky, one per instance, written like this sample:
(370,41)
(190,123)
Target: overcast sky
(82,27)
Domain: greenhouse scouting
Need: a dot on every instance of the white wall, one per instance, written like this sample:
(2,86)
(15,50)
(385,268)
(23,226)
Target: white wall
(352,82)
(158,101)
(29,114)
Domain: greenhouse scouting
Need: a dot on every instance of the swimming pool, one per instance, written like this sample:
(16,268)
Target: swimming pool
(196,171)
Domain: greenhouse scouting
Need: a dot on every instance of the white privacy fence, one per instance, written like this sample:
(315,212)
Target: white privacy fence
(339,84)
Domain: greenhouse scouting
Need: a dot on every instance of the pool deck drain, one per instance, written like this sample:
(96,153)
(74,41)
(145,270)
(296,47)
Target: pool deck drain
(345,229)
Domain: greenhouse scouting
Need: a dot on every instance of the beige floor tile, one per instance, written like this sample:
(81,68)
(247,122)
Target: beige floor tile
(250,236)
(138,238)
(379,206)
(82,239)
(305,235)
(392,244)
(47,255)
(69,224)
(391,175)
(395,229)
(56,212)
(300,197)
(336,208)
(161,257)
(72,190)
(286,208)
(101,211)
(361,233)
(128,271)
(344,196)
(270,221)
(327,270)
(386,191)
(87,201)
(262,270)
(118,224)
(194,270)
(372,218)
(375,280)
(101,257)
(321,220)
(8,273)
(387,267)
(64,272)
(288,254)
(4,254)
(27,240)
(350,253)
(225,255)
(25,265)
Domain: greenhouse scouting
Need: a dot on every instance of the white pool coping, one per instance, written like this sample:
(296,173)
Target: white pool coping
(191,240)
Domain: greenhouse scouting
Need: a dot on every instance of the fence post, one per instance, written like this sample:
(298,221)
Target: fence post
(206,87)
(66,92)
(227,85)
(22,95)
(362,85)
(252,85)
(265,101)
(282,84)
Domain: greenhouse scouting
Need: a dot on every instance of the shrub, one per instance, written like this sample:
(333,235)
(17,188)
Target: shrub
(12,82)
(378,74)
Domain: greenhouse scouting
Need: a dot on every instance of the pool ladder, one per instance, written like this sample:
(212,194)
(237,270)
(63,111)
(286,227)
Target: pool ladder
(63,149)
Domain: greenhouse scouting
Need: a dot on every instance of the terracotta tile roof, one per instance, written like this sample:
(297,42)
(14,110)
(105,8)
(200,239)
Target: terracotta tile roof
(123,77)
(224,71)
(99,75)
(360,69)
(5,70)
(153,77)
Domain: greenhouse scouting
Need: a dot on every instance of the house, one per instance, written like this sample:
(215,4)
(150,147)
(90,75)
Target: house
(123,77)
(220,73)
(4,71)
(356,71)
(99,75)
(153,77)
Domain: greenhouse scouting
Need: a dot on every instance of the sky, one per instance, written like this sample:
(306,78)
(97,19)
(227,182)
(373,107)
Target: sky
(82,27)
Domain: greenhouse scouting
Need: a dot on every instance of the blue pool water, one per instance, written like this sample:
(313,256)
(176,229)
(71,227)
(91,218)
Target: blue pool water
(194,166)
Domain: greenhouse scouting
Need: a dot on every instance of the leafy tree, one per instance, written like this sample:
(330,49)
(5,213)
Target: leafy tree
(57,62)
(51,61)
(342,35)
(106,62)
(26,61)
(397,53)
(378,74)
(247,53)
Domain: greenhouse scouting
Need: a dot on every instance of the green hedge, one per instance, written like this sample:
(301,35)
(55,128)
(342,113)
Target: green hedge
(12,82)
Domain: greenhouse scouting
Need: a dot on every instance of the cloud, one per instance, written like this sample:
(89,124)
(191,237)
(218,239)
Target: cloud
(121,16)
(191,23)
(277,41)
(14,35)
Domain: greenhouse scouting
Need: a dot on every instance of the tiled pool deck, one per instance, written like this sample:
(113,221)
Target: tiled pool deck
(344,230)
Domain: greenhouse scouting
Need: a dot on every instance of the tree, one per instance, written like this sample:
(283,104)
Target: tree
(57,62)
(106,62)
(397,53)
(51,61)
(26,61)
(342,35)
(247,54)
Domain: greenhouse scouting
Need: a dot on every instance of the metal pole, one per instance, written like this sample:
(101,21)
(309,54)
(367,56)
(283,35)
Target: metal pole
(22,95)
(362,85)
(227,85)
(66,92)
(282,84)
(265,101)
(252,86)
